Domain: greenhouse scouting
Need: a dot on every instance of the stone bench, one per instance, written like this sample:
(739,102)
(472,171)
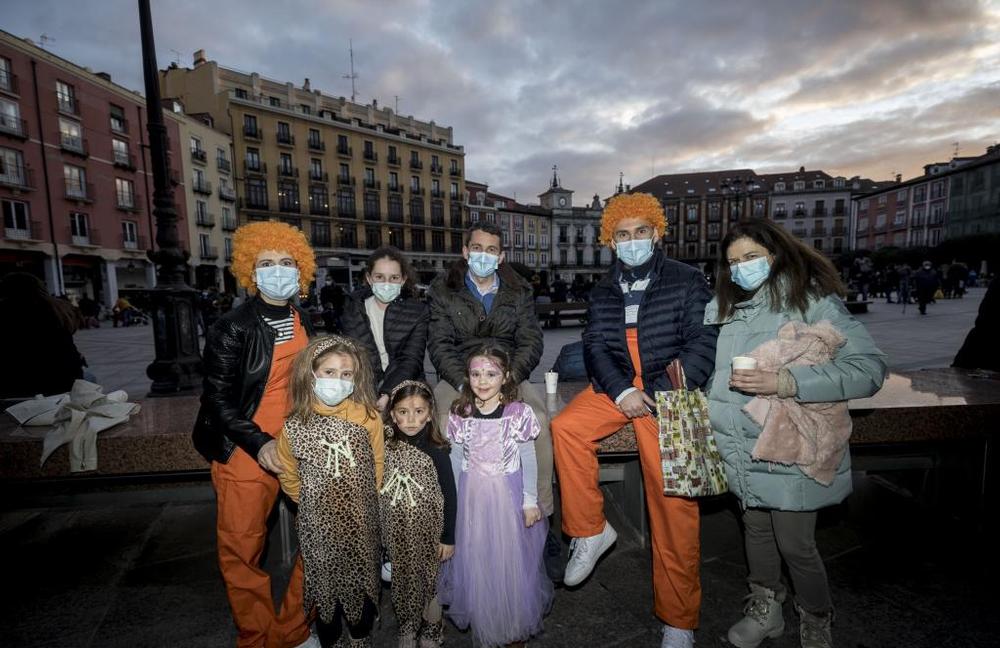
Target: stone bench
(556,312)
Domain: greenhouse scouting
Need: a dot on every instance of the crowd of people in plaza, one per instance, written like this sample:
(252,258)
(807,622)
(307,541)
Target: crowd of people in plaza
(900,283)
(447,489)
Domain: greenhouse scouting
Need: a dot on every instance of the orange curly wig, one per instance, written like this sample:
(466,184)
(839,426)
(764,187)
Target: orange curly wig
(253,238)
(633,205)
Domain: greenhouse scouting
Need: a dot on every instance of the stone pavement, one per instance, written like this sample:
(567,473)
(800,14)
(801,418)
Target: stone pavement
(118,357)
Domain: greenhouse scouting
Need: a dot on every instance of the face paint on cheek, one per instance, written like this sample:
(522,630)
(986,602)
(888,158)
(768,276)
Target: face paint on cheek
(484,364)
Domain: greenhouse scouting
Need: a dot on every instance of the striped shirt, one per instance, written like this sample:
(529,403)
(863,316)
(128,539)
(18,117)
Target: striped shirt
(282,320)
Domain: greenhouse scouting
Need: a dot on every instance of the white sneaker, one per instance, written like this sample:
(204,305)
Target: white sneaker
(584,554)
(387,572)
(311,642)
(677,638)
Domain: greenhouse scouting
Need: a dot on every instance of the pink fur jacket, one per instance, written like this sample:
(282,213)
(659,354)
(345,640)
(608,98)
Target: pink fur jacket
(812,435)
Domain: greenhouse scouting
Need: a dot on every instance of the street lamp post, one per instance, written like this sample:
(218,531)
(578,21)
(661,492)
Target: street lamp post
(177,367)
(739,188)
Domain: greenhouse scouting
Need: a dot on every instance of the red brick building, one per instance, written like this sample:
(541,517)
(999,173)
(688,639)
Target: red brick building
(75,179)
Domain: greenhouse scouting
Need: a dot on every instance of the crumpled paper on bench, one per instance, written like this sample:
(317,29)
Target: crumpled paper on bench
(76,418)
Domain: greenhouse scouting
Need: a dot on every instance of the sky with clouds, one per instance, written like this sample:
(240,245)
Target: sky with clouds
(854,87)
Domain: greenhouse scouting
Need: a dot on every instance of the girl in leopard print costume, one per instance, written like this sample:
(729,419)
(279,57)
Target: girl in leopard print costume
(417,508)
(332,450)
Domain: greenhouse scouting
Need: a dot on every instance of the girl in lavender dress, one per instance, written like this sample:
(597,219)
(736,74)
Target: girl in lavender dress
(496,582)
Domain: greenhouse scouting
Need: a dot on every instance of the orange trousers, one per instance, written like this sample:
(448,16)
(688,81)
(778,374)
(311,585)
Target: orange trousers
(673,521)
(244,502)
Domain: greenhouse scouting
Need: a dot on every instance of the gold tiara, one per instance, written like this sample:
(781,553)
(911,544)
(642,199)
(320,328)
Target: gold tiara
(333,340)
(412,383)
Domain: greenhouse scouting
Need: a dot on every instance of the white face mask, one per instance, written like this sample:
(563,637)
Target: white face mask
(635,252)
(332,391)
(277,282)
(483,264)
(385,292)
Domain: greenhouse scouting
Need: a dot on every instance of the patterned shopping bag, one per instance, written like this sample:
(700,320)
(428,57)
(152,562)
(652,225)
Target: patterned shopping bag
(689,457)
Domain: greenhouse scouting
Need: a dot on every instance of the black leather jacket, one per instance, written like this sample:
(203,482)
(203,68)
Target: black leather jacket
(237,361)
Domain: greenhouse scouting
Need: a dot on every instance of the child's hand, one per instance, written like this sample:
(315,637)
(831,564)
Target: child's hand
(532,515)
(267,457)
(445,552)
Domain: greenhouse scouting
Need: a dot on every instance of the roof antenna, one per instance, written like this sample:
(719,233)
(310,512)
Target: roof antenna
(352,76)
(45,38)
(177,57)
(956,149)
(397,104)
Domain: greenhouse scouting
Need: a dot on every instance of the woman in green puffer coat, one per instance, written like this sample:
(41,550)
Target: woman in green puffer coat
(767,278)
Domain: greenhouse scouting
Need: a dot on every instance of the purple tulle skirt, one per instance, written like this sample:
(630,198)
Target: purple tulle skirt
(496,581)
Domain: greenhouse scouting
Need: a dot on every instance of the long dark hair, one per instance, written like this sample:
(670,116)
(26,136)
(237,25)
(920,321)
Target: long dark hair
(465,403)
(798,272)
(393,254)
(406,390)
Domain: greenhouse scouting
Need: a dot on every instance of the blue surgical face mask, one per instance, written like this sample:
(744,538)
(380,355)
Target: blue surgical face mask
(483,264)
(332,391)
(635,252)
(749,275)
(278,282)
(385,292)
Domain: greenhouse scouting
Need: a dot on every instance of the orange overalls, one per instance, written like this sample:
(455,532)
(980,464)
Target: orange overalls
(673,521)
(246,494)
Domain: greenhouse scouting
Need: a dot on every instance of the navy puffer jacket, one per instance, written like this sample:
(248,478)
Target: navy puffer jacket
(670,326)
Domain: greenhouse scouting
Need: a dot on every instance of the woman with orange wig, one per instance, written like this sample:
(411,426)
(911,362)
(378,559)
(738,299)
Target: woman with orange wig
(247,363)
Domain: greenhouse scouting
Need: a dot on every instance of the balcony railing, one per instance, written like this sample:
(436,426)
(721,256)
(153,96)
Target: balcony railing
(136,243)
(199,155)
(204,219)
(73,144)
(436,169)
(437,193)
(209,252)
(67,104)
(286,139)
(316,145)
(289,206)
(251,132)
(288,171)
(455,171)
(819,231)
(799,232)
(319,176)
(256,168)
(80,191)
(345,151)
(127,201)
(838,231)
(17,177)
(32,231)
(13,126)
(371,156)
(316,209)
(780,214)
(819,212)
(345,181)
(416,219)
(456,221)
(416,191)
(253,202)
(394,160)
(396,216)
(227,193)
(372,184)
(123,159)
(202,187)
(89,236)
(8,82)
(798,213)
(223,164)
(229,223)
(395,188)
(416,164)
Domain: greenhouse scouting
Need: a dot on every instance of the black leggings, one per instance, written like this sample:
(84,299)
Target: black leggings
(329,633)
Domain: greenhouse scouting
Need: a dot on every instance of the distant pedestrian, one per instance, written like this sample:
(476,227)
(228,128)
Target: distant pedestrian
(927,283)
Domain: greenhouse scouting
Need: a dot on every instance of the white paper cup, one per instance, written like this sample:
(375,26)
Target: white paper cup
(744,362)
(551,382)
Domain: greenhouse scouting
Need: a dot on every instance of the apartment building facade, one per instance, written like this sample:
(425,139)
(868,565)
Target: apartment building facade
(576,246)
(814,206)
(352,177)
(75,181)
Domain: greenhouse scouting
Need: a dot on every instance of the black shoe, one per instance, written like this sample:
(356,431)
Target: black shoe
(553,559)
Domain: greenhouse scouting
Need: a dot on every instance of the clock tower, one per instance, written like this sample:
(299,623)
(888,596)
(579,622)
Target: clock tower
(555,197)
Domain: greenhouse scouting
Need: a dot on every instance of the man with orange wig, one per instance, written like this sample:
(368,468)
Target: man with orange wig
(645,312)
(247,363)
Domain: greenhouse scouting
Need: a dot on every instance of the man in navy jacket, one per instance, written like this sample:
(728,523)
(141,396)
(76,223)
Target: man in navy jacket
(645,312)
